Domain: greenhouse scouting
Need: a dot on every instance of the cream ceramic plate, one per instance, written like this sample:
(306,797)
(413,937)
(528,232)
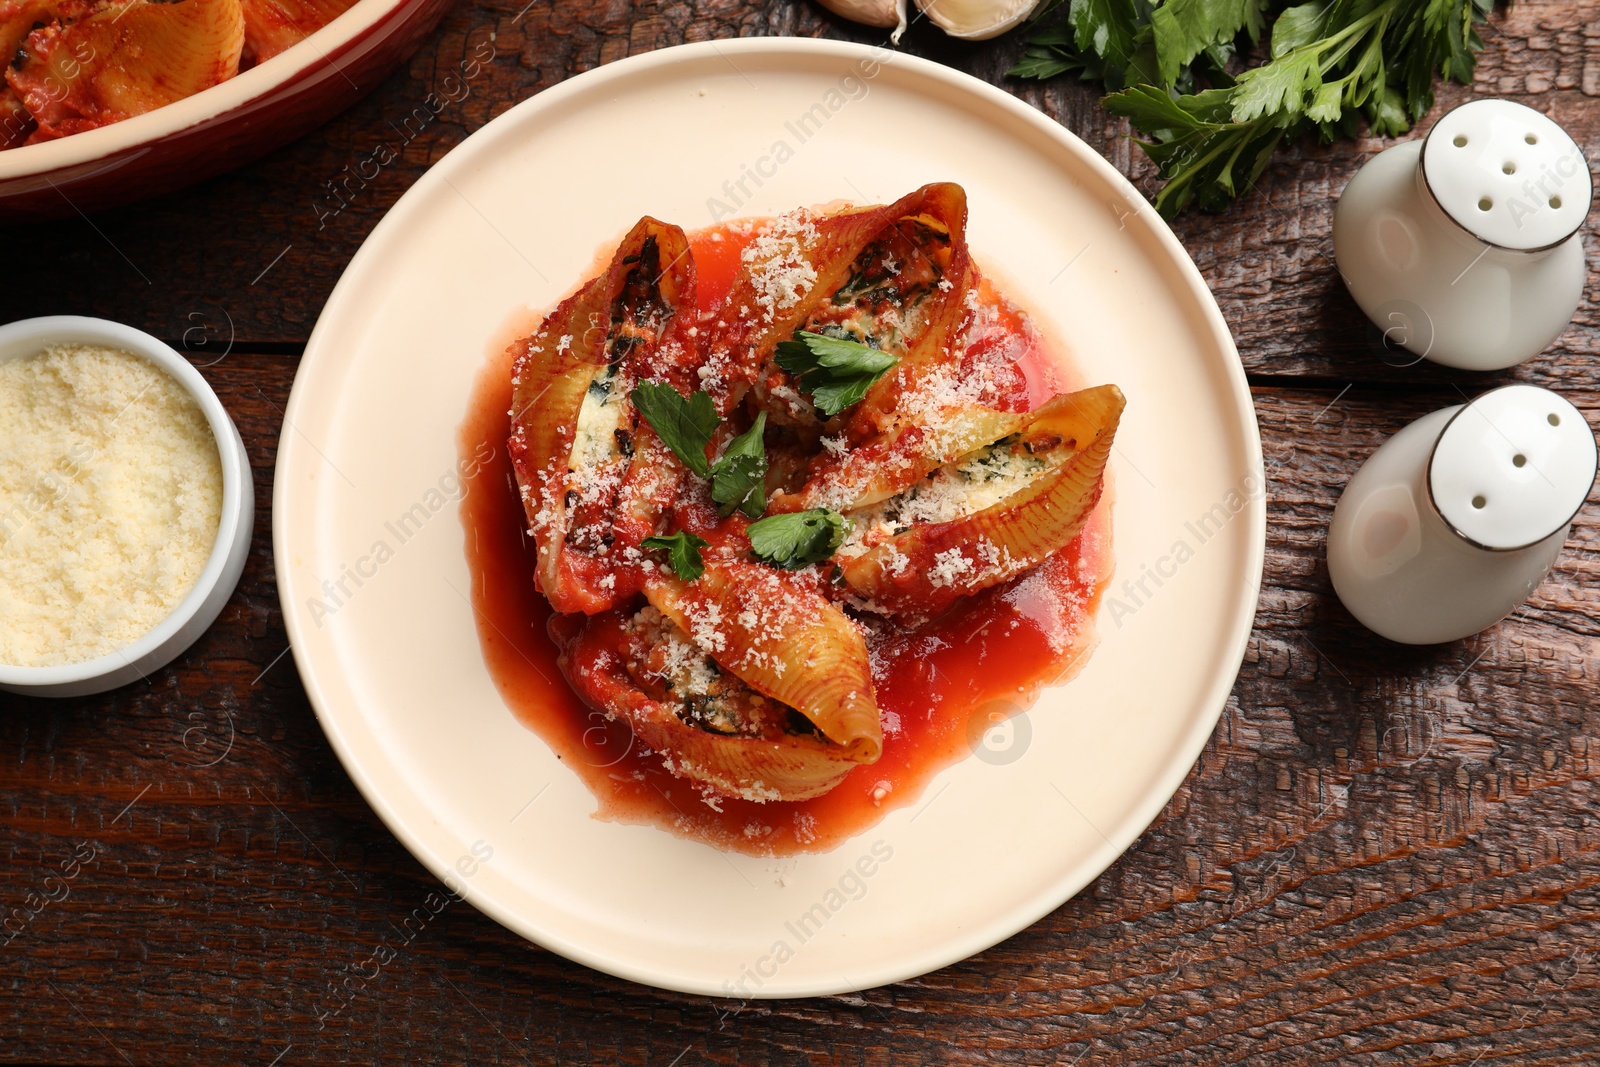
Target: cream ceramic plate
(512,219)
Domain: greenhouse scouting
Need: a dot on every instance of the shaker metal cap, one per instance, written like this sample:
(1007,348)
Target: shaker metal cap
(1508,175)
(1512,467)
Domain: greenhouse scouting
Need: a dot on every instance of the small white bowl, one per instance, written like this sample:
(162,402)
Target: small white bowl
(216,583)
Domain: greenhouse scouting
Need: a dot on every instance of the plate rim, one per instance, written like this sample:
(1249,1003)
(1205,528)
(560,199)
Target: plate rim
(1187,746)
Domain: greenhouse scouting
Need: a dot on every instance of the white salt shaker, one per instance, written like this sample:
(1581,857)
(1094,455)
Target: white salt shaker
(1464,247)
(1453,522)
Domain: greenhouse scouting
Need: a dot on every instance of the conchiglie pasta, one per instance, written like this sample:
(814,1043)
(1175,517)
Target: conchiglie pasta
(75,65)
(830,272)
(708,724)
(125,59)
(989,516)
(594,476)
(784,641)
(273,26)
(18,18)
(745,658)
(888,464)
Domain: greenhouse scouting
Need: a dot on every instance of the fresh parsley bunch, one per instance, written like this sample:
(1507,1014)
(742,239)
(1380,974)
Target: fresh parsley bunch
(1330,64)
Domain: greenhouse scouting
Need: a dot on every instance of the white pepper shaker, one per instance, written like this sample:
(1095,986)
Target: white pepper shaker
(1453,522)
(1464,247)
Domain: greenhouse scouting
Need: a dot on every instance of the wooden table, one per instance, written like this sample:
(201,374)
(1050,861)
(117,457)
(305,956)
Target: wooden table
(1383,855)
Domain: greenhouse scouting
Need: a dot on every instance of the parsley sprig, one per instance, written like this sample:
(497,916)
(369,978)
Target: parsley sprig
(836,371)
(799,538)
(739,478)
(686,424)
(683,553)
(1331,63)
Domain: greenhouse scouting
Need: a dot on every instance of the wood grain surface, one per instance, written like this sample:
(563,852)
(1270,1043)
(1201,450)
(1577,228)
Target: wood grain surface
(1384,855)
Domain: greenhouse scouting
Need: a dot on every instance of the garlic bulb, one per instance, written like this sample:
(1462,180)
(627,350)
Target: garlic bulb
(870,12)
(976,20)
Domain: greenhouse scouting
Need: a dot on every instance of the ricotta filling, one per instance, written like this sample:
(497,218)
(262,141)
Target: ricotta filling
(976,481)
(594,442)
(706,696)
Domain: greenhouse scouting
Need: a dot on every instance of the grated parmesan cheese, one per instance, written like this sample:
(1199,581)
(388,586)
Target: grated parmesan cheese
(780,272)
(110,499)
(948,566)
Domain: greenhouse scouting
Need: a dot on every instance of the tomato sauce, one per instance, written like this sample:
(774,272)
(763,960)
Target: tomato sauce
(945,688)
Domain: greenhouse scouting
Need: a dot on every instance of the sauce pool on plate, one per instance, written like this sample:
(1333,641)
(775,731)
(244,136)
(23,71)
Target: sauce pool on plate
(945,689)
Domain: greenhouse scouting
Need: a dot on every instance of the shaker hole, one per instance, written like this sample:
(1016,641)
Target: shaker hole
(1532,138)
(1519,460)
(1479,501)
(1485,204)
(1555,202)
(1553,419)
(1460,141)
(1508,168)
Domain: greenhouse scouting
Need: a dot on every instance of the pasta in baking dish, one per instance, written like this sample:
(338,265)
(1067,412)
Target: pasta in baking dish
(726,500)
(74,65)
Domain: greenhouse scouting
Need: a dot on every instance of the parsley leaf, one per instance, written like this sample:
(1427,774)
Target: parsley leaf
(835,371)
(1042,62)
(792,541)
(684,425)
(739,478)
(683,553)
(1100,40)
(1182,29)
(1207,158)
(1112,29)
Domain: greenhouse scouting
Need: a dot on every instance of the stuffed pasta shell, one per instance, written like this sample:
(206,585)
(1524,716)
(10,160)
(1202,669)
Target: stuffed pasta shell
(593,475)
(894,276)
(76,65)
(81,67)
(747,683)
(988,515)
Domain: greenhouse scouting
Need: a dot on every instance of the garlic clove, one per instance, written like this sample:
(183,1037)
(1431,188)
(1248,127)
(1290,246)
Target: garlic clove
(870,12)
(976,20)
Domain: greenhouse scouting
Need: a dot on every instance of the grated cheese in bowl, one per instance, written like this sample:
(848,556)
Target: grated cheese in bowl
(111,492)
